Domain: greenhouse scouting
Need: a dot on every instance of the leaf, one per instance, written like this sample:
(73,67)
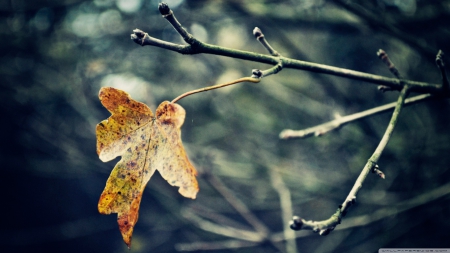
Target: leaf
(146,143)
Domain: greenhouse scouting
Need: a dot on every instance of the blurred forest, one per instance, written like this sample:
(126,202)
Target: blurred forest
(55,56)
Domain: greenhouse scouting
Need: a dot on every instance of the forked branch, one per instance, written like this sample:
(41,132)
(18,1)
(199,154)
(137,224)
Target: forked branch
(326,226)
(339,122)
(194,46)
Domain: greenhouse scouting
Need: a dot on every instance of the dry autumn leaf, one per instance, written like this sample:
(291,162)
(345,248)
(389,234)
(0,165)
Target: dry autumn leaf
(146,143)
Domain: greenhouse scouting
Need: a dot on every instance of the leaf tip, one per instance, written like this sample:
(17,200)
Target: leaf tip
(190,192)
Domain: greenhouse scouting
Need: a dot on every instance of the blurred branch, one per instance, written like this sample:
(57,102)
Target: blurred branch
(286,207)
(241,208)
(380,23)
(237,204)
(326,226)
(222,229)
(196,47)
(337,123)
(202,246)
(441,66)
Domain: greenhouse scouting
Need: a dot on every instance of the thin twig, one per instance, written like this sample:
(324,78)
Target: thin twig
(217,245)
(241,208)
(167,13)
(326,226)
(260,37)
(237,204)
(373,160)
(376,170)
(385,58)
(441,66)
(286,207)
(222,229)
(337,123)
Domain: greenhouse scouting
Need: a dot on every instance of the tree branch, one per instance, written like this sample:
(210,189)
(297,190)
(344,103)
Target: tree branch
(286,207)
(326,226)
(441,66)
(196,47)
(337,123)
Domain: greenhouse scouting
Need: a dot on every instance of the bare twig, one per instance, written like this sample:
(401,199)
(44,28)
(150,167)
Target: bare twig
(374,20)
(337,123)
(441,66)
(196,47)
(203,246)
(222,229)
(260,37)
(326,226)
(237,204)
(385,58)
(373,160)
(167,13)
(376,170)
(364,220)
(286,207)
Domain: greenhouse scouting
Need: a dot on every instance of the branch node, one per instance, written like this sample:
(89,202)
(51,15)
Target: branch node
(260,37)
(257,32)
(384,88)
(376,170)
(138,36)
(164,9)
(296,223)
(256,73)
(326,231)
(385,58)
(441,65)
(168,14)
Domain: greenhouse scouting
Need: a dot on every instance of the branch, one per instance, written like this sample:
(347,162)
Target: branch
(222,229)
(260,37)
(385,58)
(262,231)
(441,66)
(286,207)
(326,226)
(196,47)
(203,246)
(237,204)
(337,123)
(382,213)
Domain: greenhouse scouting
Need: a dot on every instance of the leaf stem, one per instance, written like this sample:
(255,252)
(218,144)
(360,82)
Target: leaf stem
(217,86)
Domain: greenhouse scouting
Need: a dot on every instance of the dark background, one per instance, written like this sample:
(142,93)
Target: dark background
(55,55)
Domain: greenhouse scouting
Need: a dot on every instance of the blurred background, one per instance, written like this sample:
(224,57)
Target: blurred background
(55,56)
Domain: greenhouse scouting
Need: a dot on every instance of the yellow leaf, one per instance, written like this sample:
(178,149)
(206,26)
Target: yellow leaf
(146,143)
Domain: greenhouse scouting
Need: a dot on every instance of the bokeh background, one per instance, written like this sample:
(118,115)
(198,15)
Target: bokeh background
(55,55)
